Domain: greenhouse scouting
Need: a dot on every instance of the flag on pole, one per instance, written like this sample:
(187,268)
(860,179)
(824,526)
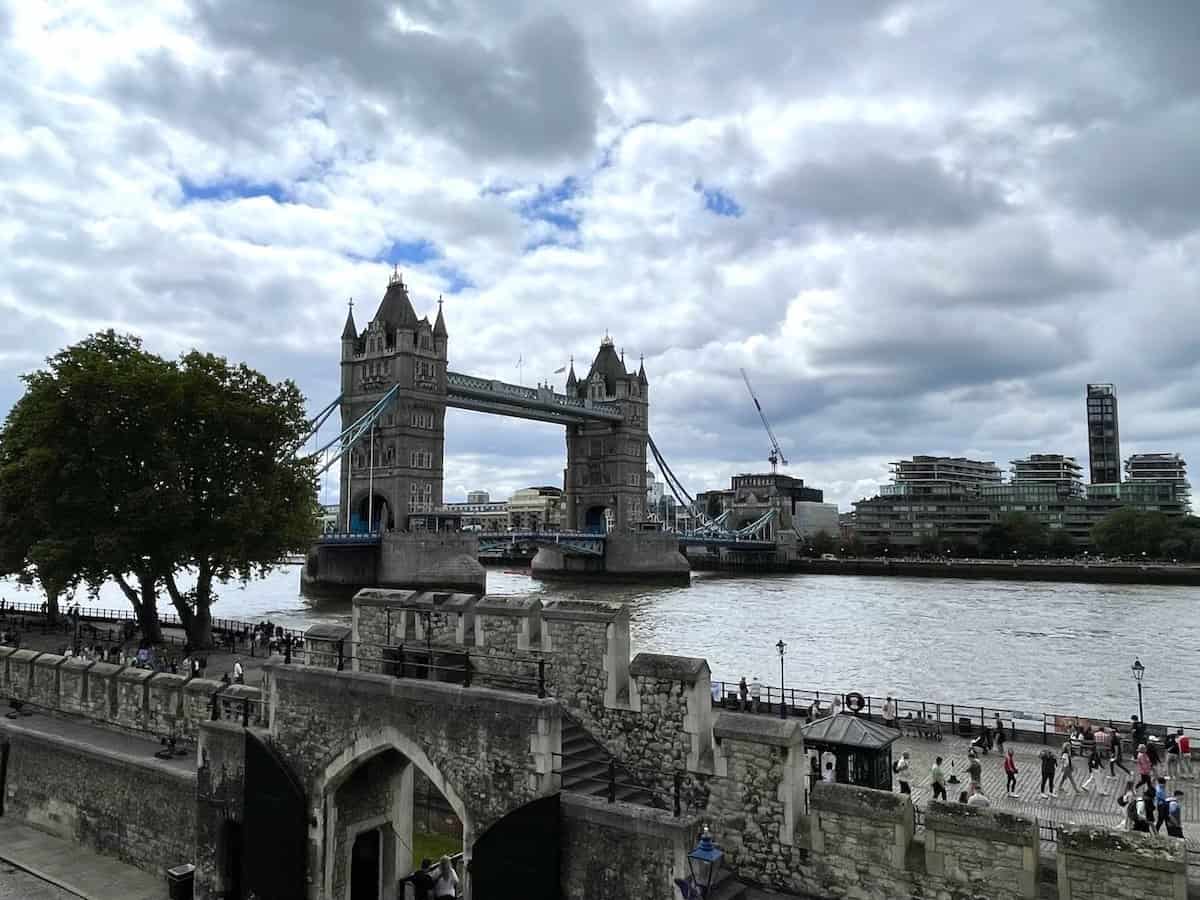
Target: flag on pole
(560,371)
(520,359)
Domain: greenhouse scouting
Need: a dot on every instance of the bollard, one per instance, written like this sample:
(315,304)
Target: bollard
(341,657)
(287,652)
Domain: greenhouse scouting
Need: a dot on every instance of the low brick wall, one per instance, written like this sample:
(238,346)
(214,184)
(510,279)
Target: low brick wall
(132,808)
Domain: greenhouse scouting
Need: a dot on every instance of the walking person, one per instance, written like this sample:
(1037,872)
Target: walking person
(1049,764)
(1068,769)
(421,881)
(1185,752)
(1172,754)
(756,692)
(999,729)
(1128,802)
(829,777)
(889,712)
(445,883)
(974,769)
(937,779)
(239,673)
(1160,804)
(902,774)
(1114,754)
(1094,764)
(743,691)
(1010,774)
(1144,767)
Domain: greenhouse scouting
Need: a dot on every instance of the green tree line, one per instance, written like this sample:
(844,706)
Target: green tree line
(117,464)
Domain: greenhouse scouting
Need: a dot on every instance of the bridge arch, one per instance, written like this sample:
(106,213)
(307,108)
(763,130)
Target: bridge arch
(395,755)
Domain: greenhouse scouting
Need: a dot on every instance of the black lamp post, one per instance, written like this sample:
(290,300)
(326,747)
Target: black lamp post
(704,862)
(782,648)
(1138,671)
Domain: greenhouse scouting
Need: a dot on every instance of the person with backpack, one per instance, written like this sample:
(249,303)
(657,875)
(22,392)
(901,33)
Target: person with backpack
(1172,754)
(1161,802)
(1175,815)
(1010,773)
(1094,764)
(1049,764)
(900,767)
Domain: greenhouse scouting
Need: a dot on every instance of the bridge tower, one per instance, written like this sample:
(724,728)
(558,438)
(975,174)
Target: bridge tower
(401,474)
(605,477)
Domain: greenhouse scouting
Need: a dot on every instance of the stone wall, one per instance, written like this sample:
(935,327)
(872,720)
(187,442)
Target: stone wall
(220,785)
(1097,864)
(984,850)
(136,809)
(621,852)
(122,697)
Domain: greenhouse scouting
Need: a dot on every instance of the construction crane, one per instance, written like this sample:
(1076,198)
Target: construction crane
(776,455)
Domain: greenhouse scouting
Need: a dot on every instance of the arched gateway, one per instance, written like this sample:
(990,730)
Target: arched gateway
(335,768)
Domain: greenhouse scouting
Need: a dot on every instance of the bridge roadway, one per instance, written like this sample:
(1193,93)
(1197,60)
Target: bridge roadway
(586,543)
(540,404)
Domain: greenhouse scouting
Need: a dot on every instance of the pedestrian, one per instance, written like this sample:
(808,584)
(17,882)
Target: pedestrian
(1185,752)
(716,693)
(999,730)
(829,777)
(977,797)
(1128,802)
(1068,769)
(1154,751)
(1114,754)
(1010,774)
(889,712)
(1143,812)
(1137,731)
(1172,754)
(1144,767)
(814,775)
(963,797)
(445,883)
(937,779)
(756,692)
(1175,815)
(743,691)
(239,673)
(421,881)
(1093,764)
(1160,804)
(901,768)
(974,769)
(1049,764)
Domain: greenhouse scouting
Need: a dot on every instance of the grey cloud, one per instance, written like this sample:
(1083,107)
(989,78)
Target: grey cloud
(533,97)
(877,192)
(1141,171)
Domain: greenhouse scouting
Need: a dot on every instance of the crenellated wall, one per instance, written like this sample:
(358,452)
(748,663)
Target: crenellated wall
(122,697)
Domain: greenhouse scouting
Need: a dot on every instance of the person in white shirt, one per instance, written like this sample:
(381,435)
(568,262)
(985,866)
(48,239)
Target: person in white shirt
(445,885)
(977,797)
(889,712)
(239,674)
(756,692)
(902,775)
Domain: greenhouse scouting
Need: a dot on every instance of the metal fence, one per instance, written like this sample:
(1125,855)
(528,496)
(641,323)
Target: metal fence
(922,718)
(426,662)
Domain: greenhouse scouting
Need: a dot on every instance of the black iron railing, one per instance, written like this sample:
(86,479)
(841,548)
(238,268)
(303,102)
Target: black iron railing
(428,662)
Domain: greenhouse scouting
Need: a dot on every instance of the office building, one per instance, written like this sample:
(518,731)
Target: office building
(536,509)
(480,514)
(478,497)
(751,496)
(940,476)
(1104,435)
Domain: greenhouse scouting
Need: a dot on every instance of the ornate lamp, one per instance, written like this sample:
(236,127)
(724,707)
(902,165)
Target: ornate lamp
(704,862)
(1138,671)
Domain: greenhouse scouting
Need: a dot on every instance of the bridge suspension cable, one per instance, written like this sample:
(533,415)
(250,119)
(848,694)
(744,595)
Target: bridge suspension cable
(676,486)
(333,450)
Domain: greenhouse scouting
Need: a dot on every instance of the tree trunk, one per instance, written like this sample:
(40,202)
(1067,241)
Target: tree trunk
(197,619)
(51,603)
(144,608)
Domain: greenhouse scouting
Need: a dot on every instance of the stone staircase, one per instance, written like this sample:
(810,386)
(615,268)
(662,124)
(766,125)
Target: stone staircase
(585,768)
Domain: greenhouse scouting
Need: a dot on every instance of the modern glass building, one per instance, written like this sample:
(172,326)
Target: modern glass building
(1104,435)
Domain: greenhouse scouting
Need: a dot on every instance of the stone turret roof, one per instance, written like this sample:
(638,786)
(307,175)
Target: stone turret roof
(571,379)
(642,372)
(396,310)
(439,326)
(350,332)
(608,365)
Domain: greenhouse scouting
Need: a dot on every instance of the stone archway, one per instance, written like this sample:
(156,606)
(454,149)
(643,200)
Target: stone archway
(374,512)
(387,759)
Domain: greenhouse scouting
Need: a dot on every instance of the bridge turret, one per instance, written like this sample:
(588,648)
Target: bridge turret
(440,334)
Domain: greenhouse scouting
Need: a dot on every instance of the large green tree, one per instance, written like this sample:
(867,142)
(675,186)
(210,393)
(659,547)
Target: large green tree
(1015,533)
(117,464)
(1133,532)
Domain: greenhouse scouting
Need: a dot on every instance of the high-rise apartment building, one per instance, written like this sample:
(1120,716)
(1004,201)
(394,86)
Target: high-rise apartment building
(1104,436)
(1162,468)
(1061,472)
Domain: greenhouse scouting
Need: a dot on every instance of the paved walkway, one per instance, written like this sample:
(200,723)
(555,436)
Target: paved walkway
(71,867)
(95,737)
(1097,806)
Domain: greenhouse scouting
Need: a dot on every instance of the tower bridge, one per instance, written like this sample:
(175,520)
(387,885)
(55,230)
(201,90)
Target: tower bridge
(396,386)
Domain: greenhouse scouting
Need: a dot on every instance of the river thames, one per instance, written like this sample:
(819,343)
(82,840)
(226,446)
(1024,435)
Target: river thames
(1055,647)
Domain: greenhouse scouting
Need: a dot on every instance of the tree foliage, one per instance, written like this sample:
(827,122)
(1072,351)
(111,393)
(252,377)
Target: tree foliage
(1016,533)
(119,464)
(1132,532)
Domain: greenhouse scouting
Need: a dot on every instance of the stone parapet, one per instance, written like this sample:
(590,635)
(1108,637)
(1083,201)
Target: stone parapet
(1097,864)
(984,849)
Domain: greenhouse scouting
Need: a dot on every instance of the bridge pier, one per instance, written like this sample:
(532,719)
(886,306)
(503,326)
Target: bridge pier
(446,561)
(635,556)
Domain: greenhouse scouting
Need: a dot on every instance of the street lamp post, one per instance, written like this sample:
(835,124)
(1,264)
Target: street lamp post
(782,648)
(704,862)
(1138,671)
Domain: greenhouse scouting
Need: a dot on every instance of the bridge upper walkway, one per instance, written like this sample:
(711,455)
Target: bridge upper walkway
(541,404)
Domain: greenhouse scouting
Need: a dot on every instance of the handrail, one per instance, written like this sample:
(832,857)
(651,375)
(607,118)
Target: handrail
(91,613)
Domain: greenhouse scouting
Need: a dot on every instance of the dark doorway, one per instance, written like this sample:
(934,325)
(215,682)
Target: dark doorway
(230,857)
(275,828)
(595,521)
(372,514)
(364,866)
(518,857)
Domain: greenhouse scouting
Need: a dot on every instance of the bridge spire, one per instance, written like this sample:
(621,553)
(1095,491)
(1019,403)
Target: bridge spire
(642,369)
(439,326)
(571,379)
(349,330)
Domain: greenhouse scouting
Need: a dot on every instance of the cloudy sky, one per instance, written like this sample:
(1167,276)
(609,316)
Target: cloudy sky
(921,227)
